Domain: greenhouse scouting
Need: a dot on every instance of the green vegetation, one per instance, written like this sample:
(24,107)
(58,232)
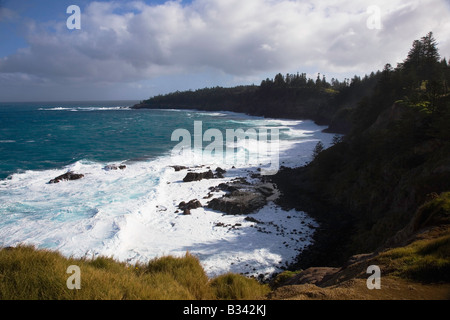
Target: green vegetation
(395,156)
(281,278)
(235,287)
(30,274)
(390,173)
(289,96)
(425,260)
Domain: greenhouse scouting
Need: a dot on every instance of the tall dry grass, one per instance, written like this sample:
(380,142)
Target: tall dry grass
(30,274)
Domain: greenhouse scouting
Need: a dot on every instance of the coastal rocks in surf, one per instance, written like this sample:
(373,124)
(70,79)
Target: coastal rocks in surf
(242,198)
(115,167)
(238,202)
(198,176)
(67,176)
(220,173)
(187,207)
(179,168)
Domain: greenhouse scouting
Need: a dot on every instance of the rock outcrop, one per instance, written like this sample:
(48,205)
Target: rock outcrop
(179,168)
(115,167)
(67,176)
(197,176)
(187,207)
(242,198)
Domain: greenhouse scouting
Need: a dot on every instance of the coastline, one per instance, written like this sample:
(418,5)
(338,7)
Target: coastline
(155,226)
(259,241)
(110,222)
(335,227)
(334,230)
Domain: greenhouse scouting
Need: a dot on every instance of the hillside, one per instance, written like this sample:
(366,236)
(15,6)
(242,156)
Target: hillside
(414,265)
(393,160)
(368,186)
(381,195)
(292,96)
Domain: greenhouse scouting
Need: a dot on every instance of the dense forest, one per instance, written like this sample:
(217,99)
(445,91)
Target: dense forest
(285,96)
(394,157)
(394,160)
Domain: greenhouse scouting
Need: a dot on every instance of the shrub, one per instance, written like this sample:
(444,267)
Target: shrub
(236,287)
(187,271)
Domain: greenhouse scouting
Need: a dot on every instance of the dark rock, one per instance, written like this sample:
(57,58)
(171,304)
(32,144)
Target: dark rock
(219,175)
(266,190)
(242,197)
(220,172)
(114,167)
(239,202)
(67,176)
(179,168)
(250,219)
(187,207)
(194,176)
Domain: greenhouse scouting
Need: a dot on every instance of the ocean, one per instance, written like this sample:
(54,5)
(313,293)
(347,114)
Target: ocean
(131,214)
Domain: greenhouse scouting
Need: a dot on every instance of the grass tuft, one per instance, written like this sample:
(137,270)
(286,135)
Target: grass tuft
(236,287)
(423,260)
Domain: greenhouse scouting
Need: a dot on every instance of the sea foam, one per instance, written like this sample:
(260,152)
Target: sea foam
(132,214)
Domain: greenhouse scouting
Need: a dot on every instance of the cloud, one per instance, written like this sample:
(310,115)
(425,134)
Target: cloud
(134,41)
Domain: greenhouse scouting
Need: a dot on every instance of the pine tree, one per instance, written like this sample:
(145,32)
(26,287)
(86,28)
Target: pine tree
(423,59)
(318,149)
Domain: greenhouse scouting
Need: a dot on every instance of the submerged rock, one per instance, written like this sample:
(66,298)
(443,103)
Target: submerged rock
(67,176)
(114,167)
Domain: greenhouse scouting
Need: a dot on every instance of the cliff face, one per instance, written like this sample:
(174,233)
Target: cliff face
(414,264)
(368,187)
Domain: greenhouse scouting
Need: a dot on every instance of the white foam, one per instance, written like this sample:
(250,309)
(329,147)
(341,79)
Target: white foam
(85,108)
(131,214)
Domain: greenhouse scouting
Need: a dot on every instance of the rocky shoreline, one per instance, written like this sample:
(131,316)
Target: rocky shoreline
(244,198)
(331,238)
(242,195)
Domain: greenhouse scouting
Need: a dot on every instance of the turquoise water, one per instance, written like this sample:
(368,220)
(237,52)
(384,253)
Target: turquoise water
(131,214)
(39,136)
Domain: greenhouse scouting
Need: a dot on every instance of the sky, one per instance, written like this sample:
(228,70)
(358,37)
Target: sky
(132,50)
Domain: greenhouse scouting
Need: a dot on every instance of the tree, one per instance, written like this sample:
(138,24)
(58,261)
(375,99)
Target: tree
(279,81)
(337,139)
(422,62)
(318,149)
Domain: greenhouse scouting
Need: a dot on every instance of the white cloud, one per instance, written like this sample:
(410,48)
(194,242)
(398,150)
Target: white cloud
(133,41)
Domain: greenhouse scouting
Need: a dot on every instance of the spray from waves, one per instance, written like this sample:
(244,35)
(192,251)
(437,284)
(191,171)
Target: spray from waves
(54,215)
(131,214)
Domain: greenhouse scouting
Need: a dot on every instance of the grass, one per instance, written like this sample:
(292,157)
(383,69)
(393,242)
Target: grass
(426,260)
(423,260)
(235,287)
(281,278)
(30,274)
